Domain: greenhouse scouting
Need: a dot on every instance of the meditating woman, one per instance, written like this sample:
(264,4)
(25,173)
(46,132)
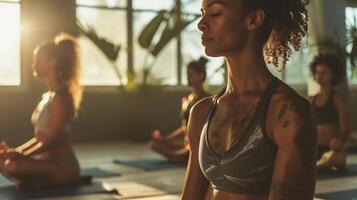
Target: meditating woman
(169,145)
(330,112)
(48,158)
(255,140)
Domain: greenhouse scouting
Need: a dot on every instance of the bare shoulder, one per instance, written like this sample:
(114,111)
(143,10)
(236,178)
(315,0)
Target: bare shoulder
(198,117)
(287,100)
(291,124)
(62,104)
(287,111)
(202,107)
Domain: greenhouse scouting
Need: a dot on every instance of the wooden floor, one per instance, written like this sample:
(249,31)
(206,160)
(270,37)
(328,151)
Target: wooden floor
(158,185)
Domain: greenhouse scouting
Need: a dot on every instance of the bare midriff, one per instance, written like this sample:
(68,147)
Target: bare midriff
(327,132)
(213,194)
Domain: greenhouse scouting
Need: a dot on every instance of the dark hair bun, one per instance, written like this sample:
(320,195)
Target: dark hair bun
(202,61)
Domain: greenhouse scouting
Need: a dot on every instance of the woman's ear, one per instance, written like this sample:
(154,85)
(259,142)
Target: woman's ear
(255,19)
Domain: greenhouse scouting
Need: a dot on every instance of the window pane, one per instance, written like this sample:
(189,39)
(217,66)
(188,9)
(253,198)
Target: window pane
(164,65)
(153,4)
(108,3)
(192,49)
(191,6)
(296,71)
(351,14)
(111,25)
(10,42)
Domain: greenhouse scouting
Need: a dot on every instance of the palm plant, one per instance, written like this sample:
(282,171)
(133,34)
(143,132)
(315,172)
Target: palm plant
(109,49)
(166,25)
(154,37)
(352,42)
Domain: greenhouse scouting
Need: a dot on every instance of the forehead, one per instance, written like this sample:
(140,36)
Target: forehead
(322,67)
(210,2)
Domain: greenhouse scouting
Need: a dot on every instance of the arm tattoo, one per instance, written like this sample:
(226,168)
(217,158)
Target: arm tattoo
(286,124)
(282,112)
(231,129)
(305,138)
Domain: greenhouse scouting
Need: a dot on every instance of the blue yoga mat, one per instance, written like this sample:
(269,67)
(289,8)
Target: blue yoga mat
(340,195)
(11,193)
(85,172)
(148,165)
(351,170)
(97,172)
(4,181)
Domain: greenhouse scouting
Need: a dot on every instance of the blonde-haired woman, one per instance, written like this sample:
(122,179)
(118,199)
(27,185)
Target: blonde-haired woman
(48,158)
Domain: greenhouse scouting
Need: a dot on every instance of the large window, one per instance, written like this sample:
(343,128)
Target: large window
(163,70)
(109,18)
(110,24)
(10,72)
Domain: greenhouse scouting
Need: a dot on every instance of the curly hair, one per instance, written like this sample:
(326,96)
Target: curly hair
(333,62)
(284,28)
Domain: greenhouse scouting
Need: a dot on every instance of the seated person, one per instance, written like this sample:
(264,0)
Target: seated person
(48,158)
(168,145)
(330,112)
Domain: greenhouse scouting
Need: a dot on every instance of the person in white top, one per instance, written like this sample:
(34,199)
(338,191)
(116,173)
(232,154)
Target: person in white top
(48,158)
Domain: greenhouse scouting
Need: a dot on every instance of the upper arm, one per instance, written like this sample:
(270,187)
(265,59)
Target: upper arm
(194,177)
(342,110)
(295,137)
(59,117)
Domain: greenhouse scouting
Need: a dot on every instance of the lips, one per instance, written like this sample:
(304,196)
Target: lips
(206,40)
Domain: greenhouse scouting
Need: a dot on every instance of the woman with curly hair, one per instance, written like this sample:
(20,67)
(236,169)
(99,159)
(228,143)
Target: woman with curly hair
(48,158)
(255,140)
(330,112)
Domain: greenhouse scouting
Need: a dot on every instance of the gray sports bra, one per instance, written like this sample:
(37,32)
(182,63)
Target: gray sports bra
(246,168)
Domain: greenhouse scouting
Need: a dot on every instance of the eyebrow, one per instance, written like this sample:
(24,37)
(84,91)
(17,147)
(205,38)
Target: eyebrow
(214,2)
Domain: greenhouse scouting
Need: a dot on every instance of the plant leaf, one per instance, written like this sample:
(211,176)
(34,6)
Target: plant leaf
(110,50)
(150,30)
(170,33)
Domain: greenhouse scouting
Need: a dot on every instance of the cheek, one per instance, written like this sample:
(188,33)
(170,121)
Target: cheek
(230,33)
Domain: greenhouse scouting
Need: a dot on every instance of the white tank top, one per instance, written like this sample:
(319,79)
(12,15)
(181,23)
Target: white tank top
(41,116)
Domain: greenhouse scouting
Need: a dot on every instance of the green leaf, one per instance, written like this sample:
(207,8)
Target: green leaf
(150,30)
(170,33)
(110,50)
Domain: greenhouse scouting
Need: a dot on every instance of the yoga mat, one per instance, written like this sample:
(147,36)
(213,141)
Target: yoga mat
(97,172)
(10,192)
(351,170)
(340,195)
(149,165)
(4,181)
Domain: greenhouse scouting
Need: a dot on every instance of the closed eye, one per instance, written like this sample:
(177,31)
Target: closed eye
(216,14)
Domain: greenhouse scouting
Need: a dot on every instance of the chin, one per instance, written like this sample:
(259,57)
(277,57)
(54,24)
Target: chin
(212,53)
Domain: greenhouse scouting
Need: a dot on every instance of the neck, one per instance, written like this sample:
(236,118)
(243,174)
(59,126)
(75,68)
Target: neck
(198,90)
(325,90)
(247,71)
(53,84)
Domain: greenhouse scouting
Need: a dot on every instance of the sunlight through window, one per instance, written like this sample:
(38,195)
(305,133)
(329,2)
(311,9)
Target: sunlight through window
(10,42)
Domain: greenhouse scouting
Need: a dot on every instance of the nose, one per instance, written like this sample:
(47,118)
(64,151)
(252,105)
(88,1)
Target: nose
(202,25)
